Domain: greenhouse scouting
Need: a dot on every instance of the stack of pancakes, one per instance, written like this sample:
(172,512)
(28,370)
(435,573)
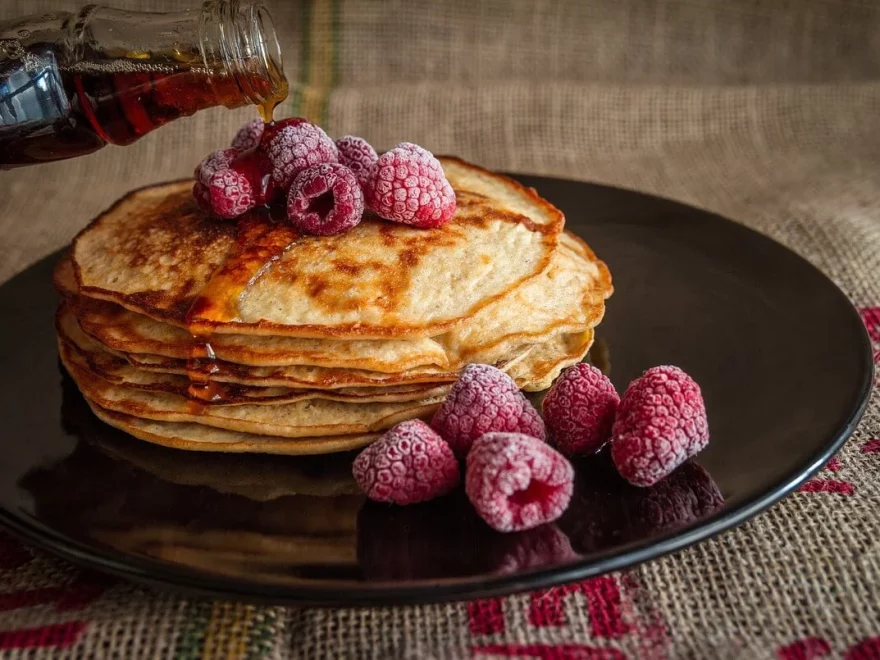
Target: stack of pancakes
(246,336)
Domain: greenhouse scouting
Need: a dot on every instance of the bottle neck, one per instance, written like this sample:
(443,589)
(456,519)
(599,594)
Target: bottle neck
(237,40)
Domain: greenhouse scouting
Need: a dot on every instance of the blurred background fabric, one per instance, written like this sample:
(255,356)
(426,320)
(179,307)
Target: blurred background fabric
(765,111)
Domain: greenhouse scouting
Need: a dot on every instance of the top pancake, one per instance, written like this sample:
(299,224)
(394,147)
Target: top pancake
(156,253)
(566,297)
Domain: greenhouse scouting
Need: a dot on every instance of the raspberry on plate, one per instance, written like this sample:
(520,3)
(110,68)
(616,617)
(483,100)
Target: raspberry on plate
(409,186)
(357,154)
(325,199)
(213,163)
(231,194)
(294,147)
(249,135)
(579,410)
(484,399)
(409,464)
(517,482)
(661,422)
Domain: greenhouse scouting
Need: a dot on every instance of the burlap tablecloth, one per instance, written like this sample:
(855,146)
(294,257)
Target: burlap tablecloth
(767,112)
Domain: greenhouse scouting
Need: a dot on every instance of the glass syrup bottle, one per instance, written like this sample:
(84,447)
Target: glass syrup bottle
(71,83)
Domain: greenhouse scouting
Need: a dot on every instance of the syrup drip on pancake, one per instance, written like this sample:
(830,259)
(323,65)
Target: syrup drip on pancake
(260,242)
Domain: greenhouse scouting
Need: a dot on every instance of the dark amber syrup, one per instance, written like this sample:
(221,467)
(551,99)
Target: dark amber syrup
(117,101)
(260,241)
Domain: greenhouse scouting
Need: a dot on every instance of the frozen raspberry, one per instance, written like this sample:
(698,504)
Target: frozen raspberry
(213,163)
(254,165)
(484,399)
(579,410)
(409,186)
(325,199)
(249,135)
(231,194)
(661,422)
(202,195)
(517,482)
(270,129)
(297,146)
(409,464)
(357,154)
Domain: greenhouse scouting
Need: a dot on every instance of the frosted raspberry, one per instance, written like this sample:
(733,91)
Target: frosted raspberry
(202,195)
(296,146)
(409,186)
(254,165)
(661,422)
(231,194)
(325,199)
(357,154)
(579,410)
(409,464)
(517,482)
(213,163)
(484,399)
(249,135)
(270,130)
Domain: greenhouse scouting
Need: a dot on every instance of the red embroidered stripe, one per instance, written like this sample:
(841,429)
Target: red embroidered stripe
(486,617)
(808,648)
(60,634)
(827,486)
(603,601)
(871,446)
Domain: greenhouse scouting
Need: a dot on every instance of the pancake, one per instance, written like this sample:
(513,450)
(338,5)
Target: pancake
(75,345)
(154,252)
(546,361)
(296,376)
(529,375)
(197,437)
(122,330)
(568,297)
(301,419)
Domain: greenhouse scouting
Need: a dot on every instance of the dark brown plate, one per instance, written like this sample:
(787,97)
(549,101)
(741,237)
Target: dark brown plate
(782,357)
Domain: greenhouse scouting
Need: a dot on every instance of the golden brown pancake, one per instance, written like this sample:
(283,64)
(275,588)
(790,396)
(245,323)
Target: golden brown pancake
(116,370)
(309,419)
(197,437)
(568,297)
(156,253)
